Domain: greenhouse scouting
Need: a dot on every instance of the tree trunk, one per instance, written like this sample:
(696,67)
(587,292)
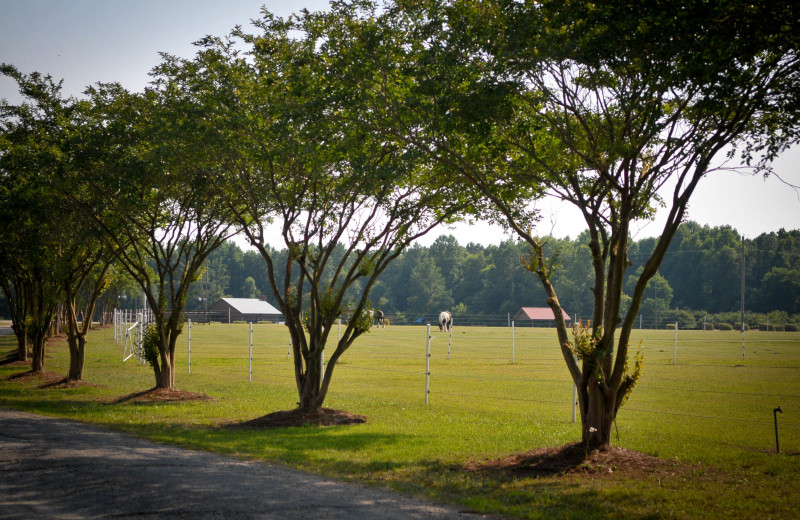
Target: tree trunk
(310,384)
(164,368)
(77,356)
(38,344)
(599,417)
(22,345)
(164,378)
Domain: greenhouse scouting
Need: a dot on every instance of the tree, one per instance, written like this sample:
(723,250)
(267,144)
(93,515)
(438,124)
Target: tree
(146,189)
(249,289)
(604,106)
(83,278)
(657,299)
(53,256)
(449,256)
(282,127)
(31,161)
(429,293)
(783,287)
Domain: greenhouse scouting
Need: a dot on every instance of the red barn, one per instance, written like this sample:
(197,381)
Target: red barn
(539,316)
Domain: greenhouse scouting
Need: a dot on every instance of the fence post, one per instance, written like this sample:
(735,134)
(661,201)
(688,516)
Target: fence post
(190,347)
(777,441)
(449,340)
(251,351)
(574,401)
(428,364)
(675,350)
(140,319)
(574,396)
(513,345)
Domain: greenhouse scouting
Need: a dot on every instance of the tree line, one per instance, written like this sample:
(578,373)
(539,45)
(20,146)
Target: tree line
(698,284)
(359,129)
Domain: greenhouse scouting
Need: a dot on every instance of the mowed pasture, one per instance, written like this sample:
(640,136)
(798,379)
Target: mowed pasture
(703,389)
(700,404)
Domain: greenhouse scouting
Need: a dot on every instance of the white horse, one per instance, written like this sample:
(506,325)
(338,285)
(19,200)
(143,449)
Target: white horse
(376,316)
(445,321)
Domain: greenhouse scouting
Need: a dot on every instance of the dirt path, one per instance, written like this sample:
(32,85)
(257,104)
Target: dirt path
(59,469)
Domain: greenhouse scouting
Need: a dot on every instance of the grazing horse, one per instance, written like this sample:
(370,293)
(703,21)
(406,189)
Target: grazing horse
(379,317)
(445,321)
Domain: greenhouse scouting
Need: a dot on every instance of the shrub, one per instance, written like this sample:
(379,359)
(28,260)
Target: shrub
(778,328)
(791,328)
(724,326)
(150,344)
(670,326)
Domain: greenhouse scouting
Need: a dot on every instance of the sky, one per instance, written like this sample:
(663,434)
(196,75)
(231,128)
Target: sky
(89,41)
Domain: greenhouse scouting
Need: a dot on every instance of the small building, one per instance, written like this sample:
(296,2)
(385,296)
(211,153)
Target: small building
(253,310)
(539,316)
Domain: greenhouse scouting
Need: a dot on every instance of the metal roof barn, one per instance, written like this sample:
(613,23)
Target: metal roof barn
(539,316)
(244,309)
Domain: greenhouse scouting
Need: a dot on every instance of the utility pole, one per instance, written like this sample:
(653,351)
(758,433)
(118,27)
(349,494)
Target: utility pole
(742,297)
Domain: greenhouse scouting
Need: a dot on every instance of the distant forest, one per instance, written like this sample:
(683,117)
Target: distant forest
(700,279)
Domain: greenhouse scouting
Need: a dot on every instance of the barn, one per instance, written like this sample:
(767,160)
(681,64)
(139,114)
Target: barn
(244,309)
(538,316)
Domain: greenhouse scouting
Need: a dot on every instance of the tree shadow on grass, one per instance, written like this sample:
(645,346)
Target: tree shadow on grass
(45,379)
(162,395)
(11,357)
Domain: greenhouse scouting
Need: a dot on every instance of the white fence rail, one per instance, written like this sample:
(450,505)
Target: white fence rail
(129,327)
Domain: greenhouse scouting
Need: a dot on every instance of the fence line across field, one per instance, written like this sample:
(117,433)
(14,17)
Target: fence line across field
(512,352)
(129,328)
(265,359)
(429,375)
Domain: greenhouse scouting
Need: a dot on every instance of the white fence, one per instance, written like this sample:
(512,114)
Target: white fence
(129,327)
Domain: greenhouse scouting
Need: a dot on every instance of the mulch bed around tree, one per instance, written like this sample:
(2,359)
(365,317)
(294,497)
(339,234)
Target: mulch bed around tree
(46,378)
(70,383)
(297,417)
(162,395)
(573,459)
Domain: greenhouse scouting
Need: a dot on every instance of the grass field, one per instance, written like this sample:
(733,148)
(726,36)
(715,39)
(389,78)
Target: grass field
(712,412)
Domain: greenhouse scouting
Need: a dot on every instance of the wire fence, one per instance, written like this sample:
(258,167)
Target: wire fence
(691,378)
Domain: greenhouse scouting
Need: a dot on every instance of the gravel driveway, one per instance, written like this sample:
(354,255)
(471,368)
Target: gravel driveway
(59,469)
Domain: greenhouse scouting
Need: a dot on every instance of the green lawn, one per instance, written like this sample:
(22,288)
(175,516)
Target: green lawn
(712,412)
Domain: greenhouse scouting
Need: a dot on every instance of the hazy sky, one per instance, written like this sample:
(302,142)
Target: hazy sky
(86,41)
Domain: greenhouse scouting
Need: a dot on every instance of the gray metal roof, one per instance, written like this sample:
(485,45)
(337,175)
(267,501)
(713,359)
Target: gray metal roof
(251,306)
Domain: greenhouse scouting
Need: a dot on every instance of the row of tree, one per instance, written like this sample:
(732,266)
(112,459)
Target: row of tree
(701,273)
(359,129)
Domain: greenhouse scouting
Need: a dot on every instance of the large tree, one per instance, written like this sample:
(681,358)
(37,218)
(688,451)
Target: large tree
(615,108)
(145,187)
(32,136)
(283,129)
(83,280)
